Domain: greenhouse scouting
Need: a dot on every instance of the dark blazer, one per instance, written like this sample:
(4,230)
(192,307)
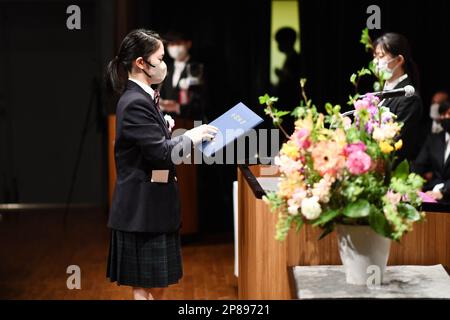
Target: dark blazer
(195,108)
(143,143)
(431,159)
(409,111)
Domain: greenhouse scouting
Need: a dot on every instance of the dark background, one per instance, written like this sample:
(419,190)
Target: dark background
(47,74)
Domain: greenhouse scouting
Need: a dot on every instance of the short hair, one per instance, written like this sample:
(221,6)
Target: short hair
(174,36)
(286,34)
(444,107)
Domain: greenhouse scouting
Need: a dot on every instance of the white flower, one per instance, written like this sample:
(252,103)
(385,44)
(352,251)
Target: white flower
(287,165)
(170,121)
(311,208)
(293,206)
(321,190)
(386,131)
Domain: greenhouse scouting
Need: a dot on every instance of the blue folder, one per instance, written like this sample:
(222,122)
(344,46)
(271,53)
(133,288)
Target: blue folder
(232,124)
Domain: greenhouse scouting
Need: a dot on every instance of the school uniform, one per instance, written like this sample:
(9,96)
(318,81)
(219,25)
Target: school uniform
(408,111)
(434,157)
(145,213)
(194,107)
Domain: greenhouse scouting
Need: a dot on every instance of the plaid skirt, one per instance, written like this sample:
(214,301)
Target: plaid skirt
(144,260)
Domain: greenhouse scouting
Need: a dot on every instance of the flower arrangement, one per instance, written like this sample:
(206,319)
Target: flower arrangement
(335,170)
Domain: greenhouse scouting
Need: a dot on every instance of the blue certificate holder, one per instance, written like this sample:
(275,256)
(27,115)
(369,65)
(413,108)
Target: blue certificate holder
(232,124)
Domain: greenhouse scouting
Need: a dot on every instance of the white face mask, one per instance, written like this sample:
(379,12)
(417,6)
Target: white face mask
(177,52)
(383,66)
(157,72)
(434,111)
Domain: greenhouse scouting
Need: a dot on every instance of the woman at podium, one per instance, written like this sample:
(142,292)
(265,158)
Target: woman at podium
(392,55)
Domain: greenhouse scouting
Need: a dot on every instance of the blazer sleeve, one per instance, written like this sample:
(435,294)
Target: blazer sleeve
(409,111)
(140,125)
(423,164)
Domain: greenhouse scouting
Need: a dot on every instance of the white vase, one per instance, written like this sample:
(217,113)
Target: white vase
(364,254)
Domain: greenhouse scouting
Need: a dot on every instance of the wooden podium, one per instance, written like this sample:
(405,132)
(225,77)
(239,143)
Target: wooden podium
(264,261)
(186,175)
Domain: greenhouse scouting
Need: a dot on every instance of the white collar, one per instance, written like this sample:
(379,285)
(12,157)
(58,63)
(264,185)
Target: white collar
(391,85)
(144,86)
(181,63)
(447,137)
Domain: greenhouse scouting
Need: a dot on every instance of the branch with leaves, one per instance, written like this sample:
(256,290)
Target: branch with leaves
(371,69)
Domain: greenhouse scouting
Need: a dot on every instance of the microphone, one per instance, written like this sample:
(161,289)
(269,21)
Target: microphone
(407,91)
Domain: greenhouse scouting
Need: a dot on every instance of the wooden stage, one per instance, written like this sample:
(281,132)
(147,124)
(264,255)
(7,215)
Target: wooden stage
(36,250)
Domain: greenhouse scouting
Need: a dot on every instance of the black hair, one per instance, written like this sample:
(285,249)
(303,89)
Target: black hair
(138,43)
(286,35)
(174,36)
(443,107)
(397,44)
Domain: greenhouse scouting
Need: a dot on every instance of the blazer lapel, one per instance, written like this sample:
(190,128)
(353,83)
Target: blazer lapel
(389,101)
(441,152)
(160,117)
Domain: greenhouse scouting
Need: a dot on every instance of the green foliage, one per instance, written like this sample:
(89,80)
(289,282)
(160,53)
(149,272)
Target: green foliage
(366,40)
(378,222)
(283,225)
(326,217)
(402,170)
(358,209)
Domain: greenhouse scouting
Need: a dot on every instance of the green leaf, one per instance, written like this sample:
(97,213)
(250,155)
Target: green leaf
(408,211)
(402,170)
(326,217)
(329,108)
(353,79)
(377,86)
(336,109)
(366,40)
(302,82)
(281,113)
(326,231)
(363,72)
(379,223)
(273,99)
(358,209)
(298,112)
(263,99)
(299,225)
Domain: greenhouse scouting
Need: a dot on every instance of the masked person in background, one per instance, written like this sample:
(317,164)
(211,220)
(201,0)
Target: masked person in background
(438,98)
(392,55)
(434,159)
(145,216)
(183,92)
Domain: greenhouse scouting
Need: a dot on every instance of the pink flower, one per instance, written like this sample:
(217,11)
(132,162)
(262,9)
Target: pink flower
(393,197)
(358,162)
(361,104)
(354,147)
(301,137)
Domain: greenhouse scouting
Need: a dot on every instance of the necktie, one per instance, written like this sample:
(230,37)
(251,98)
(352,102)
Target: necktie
(156,99)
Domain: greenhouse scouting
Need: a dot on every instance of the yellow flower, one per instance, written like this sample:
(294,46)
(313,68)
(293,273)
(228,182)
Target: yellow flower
(398,145)
(290,149)
(288,185)
(385,147)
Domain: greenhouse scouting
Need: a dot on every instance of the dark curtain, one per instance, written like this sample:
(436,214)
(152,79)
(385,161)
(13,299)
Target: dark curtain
(232,39)
(331,52)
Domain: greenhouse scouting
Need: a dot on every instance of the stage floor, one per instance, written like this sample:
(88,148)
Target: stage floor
(36,250)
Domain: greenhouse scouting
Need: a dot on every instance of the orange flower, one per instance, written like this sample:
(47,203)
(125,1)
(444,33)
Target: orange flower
(327,157)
